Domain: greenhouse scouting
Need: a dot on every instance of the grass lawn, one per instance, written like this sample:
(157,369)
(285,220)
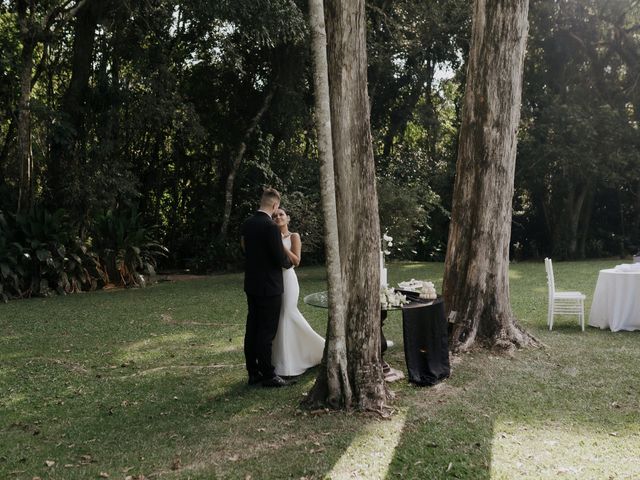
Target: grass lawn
(151,384)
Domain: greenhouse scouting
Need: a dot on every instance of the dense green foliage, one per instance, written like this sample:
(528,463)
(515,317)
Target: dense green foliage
(40,254)
(170,105)
(152,383)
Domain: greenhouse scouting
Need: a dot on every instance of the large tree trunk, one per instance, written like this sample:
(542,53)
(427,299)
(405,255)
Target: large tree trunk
(357,203)
(476,283)
(332,386)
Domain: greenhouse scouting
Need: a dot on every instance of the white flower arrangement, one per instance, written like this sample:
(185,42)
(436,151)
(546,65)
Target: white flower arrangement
(390,298)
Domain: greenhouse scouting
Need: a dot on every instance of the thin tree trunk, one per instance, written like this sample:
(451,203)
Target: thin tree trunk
(25,157)
(476,283)
(585,222)
(575,214)
(65,168)
(237,159)
(357,203)
(332,385)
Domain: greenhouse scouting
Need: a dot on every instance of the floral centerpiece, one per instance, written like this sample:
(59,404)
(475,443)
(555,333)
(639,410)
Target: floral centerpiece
(390,298)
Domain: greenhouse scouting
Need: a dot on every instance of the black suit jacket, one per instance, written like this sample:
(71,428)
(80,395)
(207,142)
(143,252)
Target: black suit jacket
(264,255)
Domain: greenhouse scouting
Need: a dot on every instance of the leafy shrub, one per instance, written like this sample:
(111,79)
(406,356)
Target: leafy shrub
(11,272)
(40,255)
(127,250)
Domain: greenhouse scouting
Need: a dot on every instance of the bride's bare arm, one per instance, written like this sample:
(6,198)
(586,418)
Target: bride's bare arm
(296,249)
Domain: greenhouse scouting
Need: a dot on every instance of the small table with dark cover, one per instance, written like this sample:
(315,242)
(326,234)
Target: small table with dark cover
(426,342)
(424,328)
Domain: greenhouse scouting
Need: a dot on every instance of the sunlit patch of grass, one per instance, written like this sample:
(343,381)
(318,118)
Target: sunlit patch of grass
(370,453)
(9,399)
(154,348)
(564,449)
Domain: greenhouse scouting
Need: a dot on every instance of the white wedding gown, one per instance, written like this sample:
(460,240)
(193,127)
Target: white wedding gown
(297,346)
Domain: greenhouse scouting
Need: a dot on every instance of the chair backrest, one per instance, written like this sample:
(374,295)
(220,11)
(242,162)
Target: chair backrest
(548,265)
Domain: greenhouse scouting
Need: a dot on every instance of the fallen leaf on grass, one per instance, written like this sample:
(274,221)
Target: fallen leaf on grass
(261,429)
(103,475)
(49,463)
(234,458)
(613,434)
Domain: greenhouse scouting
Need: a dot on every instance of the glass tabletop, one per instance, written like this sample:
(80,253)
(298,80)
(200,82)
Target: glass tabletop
(318,299)
(321,300)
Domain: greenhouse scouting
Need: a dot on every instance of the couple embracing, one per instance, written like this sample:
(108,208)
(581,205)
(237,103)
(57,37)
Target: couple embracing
(278,340)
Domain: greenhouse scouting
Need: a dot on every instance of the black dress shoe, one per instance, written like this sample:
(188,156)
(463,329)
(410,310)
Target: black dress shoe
(255,379)
(275,382)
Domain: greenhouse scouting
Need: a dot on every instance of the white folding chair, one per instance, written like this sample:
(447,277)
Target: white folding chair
(562,303)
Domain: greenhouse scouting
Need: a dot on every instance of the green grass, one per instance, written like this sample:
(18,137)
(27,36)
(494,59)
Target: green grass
(151,382)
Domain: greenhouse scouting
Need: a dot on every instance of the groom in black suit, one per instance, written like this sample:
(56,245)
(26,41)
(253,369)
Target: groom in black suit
(265,259)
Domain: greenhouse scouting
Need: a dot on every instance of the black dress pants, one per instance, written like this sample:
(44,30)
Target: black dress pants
(262,326)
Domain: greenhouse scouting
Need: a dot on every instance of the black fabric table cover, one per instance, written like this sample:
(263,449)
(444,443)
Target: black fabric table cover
(426,342)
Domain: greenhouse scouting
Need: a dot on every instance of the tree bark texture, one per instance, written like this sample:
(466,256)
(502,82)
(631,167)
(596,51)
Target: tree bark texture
(332,386)
(476,283)
(356,199)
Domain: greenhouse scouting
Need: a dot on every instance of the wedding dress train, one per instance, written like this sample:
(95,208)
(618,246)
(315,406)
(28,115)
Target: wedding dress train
(297,346)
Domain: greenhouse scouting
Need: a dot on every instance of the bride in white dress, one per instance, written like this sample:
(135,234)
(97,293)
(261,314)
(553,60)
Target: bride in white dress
(297,346)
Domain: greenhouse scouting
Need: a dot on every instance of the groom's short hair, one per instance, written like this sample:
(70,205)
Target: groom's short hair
(270,197)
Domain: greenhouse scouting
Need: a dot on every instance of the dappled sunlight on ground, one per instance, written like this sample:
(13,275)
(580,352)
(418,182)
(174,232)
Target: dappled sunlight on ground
(10,399)
(371,451)
(154,347)
(570,449)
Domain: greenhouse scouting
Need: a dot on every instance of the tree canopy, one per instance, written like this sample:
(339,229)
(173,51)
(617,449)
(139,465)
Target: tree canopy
(182,111)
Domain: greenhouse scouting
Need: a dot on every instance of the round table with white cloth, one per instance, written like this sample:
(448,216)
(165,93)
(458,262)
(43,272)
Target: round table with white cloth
(616,300)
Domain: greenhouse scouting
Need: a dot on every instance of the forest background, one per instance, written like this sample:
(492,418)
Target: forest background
(138,131)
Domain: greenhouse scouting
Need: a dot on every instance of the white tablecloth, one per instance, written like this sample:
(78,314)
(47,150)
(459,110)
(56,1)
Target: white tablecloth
(616,301)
